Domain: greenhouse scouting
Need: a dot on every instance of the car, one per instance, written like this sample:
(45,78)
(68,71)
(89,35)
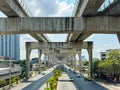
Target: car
(71,79)
(74,72)
(78,75)
(43,73)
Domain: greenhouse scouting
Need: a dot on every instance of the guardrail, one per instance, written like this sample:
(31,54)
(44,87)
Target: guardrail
(106,4)
(22,3)
(75,7)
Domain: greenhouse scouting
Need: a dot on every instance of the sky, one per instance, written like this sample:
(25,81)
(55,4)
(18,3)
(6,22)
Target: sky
(63,8)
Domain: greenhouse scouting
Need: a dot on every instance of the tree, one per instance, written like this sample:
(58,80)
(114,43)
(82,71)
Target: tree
(96,66)
(86,63)
(114,57)
(111,65)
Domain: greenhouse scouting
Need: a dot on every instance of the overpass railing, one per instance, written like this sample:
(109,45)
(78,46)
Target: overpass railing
(22,3)
(106,4)
(75,7)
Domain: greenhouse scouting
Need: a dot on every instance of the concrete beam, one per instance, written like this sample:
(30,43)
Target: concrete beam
(78,37)
(109,25)
(85,8)
(88,7)
(40,37)
(73,36)
(82,36)
(59,51)
(12,8)
(57,45)
(112,10)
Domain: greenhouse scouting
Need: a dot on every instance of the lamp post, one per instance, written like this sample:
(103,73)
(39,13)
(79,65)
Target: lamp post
(9,73)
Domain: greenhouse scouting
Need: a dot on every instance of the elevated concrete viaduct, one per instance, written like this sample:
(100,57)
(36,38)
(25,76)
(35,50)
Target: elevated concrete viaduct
(64,47)
(108,25)
(87,25)
(86,22)
(88,7)
(85,8)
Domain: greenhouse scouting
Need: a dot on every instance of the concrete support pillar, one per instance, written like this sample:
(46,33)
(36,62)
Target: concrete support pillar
(90,45)
(72,62)
(45,61)
(75,62)
(39,60)
(28,51)
(48,61)
(118,35)
(80,62)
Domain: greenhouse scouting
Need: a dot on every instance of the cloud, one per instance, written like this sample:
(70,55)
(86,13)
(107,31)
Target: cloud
(51,8)
(99,50)
(24,38)
(57,37)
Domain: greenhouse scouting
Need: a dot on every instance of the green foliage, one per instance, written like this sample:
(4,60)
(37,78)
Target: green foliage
(96,66)
(3,83)
(15,79)
(52,82)
(23,75)
(88,78)
(57,72)
(111,65)
(86,63)
(47,89)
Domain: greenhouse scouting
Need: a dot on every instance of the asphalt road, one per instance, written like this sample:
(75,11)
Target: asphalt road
(35,85)
(82,84)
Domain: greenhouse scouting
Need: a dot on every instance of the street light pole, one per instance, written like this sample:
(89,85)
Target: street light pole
(9,73)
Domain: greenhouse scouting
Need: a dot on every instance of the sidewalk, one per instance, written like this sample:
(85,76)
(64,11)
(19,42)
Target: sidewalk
(65,83)
(111,86)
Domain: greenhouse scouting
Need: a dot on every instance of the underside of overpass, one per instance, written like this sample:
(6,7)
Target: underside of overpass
(87,20)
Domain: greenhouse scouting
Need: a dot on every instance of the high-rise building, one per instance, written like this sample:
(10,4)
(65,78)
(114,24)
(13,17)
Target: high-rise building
(10,46)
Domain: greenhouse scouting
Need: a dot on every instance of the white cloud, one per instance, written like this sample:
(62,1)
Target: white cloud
(51,8)
(99,50)
(24,38)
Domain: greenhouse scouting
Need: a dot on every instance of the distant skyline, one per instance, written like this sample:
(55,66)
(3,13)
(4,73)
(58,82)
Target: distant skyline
(64,8)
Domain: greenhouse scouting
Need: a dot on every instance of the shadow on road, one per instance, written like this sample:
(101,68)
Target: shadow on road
(35,85)
(82,84)
(64,80)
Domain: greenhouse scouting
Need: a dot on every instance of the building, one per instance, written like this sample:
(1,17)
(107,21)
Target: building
(10,46)
(34,60)
(83,58)
(9,68)
(103,55)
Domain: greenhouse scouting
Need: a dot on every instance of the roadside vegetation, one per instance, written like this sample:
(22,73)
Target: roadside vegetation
(108,69)
(52,82)
(14,80)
